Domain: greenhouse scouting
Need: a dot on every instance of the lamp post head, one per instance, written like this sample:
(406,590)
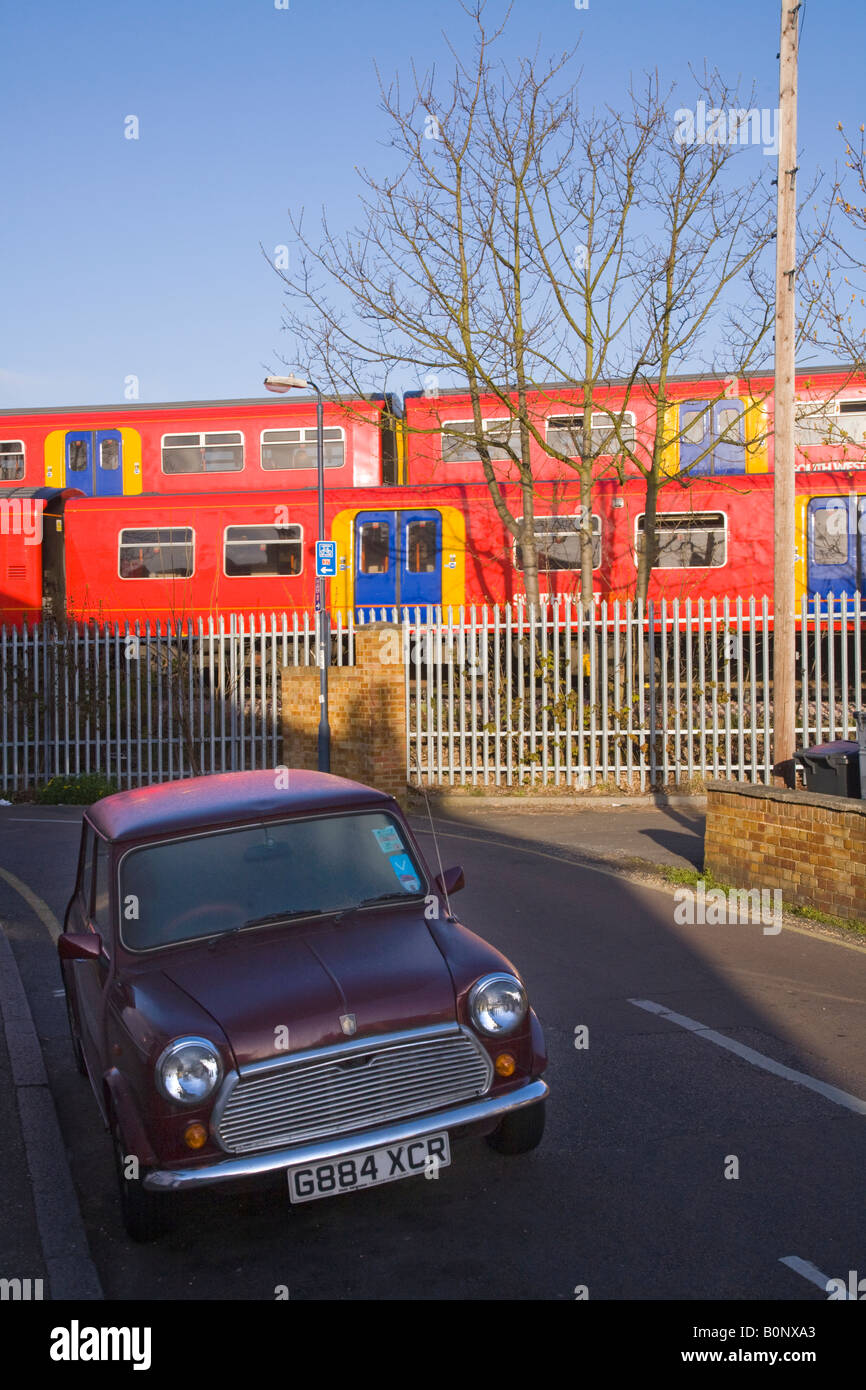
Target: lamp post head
(282,384)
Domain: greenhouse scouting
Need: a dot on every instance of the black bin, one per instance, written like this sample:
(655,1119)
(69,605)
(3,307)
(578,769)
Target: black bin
(832,768)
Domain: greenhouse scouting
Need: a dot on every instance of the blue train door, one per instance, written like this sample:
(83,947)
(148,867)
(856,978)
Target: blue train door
(695,438)
(729,455)
(702,452)
(79,460)
(420,557)
(836,546)
(108,464)
(94,462)
(398,559)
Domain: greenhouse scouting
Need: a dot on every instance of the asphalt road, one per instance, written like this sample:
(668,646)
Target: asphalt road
(628,1194)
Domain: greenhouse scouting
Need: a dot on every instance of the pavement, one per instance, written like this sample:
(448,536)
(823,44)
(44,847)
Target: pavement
(642,831)
(42,1237)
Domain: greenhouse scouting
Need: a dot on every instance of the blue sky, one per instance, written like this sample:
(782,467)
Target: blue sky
(141,258)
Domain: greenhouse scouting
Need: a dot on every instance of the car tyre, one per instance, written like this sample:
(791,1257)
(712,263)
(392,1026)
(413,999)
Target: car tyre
(146,1215)
(519,1132)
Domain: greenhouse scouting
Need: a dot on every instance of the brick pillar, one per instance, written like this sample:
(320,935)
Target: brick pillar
(366,709)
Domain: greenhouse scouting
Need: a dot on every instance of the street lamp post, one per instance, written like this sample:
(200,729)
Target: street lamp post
(281,384)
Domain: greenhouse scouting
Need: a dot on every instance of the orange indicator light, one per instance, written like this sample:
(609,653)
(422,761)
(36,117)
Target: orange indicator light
(195,1136)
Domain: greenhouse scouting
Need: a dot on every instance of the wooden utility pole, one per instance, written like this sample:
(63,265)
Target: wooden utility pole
(784,632)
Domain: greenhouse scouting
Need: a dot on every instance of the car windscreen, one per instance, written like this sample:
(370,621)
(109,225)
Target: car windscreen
(201,885)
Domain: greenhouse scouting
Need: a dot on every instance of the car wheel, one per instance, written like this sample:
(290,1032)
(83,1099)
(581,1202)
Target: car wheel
(77,1049)
(520,1131)
(146,1215)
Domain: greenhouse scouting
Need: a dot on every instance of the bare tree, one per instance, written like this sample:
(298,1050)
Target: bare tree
(836,281)
(495,255)
(520,242)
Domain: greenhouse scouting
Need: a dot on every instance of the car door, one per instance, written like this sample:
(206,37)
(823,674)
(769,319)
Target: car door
(89,912)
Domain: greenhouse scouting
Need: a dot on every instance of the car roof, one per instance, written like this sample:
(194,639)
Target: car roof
(226,797)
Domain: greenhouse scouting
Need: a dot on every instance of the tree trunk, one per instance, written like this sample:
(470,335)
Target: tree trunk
(648,552)
(586,533)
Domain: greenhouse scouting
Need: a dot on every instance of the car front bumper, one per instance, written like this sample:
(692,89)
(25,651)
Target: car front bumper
(489,1108)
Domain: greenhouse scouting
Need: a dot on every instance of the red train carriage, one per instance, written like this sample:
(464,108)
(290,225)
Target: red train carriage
(191,446)
(714,428)
(214,539)
(192,556)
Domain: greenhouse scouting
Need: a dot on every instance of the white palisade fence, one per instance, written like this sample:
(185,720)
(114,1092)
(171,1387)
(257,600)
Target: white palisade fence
(615,695)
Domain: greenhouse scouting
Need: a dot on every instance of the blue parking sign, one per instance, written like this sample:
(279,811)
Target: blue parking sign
(326,559)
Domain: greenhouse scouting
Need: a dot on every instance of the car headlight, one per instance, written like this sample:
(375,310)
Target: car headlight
(189,1070)
(497,1004)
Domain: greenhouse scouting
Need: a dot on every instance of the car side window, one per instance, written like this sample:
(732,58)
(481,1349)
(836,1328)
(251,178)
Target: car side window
(85,874)
(100,915)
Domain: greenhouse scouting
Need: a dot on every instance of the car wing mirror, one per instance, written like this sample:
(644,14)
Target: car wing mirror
(79,946)
(451,880)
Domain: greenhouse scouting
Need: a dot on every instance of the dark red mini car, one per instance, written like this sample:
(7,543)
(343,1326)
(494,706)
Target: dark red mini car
(262,973)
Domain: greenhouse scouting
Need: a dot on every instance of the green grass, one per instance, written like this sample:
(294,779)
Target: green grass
(691,877)
(82,790)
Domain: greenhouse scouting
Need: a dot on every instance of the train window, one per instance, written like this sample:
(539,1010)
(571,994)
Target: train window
(213,452)
(558,542)
(852,421)
(687,540)
(421,547)
(77,455)
(375,547)
(297,448)
(830,534)
(815,422)
(457,448)
(565,433)
(693,426)
(163,553)
(11,460)
(109,454)
(729,422)
(262,550)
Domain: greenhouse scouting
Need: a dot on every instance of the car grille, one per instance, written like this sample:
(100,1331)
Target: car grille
(351,1087)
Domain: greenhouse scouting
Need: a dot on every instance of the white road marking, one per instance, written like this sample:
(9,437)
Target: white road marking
(757,1059)
(808,1271)
(41,908)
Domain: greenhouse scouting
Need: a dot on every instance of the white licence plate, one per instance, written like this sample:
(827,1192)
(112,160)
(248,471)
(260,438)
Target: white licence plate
(370,1168)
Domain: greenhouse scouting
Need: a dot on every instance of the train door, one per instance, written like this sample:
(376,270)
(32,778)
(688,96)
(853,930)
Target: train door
(729,454)
(695,455)
(398,559)
(94,462)
(79,460)
(836,551)
(702,451)
(108,463)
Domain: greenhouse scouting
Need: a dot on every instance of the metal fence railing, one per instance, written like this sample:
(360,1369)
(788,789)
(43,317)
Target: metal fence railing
(617,695)
(146,704)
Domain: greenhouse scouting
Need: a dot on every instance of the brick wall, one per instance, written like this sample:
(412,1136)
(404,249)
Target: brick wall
(812,847)
(366,711)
